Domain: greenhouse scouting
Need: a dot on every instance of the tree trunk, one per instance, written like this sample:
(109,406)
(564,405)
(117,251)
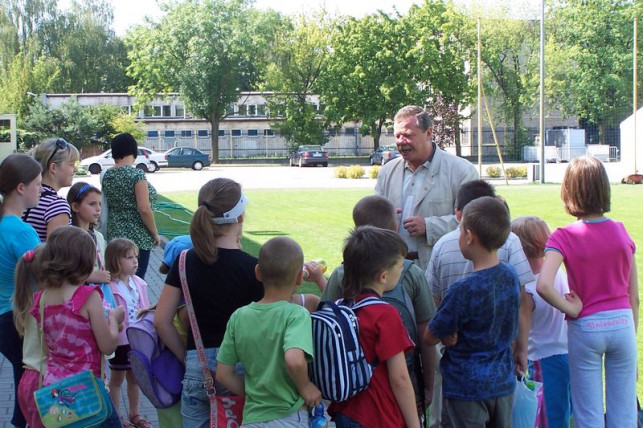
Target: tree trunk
(214,138)
(456,131)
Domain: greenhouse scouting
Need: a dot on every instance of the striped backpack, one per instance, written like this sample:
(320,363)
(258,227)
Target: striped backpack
(339,368)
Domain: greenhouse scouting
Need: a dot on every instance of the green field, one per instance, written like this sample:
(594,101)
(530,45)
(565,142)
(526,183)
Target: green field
(320,219)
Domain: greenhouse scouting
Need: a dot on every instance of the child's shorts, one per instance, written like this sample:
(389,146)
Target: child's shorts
(121,359)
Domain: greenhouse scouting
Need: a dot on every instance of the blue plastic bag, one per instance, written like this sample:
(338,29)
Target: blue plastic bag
(525,406)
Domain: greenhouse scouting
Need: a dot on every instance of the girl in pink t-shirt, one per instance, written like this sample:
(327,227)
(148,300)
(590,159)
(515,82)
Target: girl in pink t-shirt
(76,331)
(603,303)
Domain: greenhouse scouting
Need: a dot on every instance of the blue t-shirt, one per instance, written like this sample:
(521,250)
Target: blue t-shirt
(16,238)
(483,309)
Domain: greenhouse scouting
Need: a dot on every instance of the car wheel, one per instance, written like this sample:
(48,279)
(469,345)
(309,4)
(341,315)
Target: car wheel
(372,162)
(153,167)
(197,166)
(325,164)
(301,164)
(95,168)
(142,167)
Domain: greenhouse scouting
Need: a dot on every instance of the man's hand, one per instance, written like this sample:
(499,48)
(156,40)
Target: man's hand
(415,226)
(311,395)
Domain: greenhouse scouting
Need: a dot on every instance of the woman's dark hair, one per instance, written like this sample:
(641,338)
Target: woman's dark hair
(124,145)
(15,169)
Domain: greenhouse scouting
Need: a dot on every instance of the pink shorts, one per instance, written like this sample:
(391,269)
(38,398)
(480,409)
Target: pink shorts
(28,385)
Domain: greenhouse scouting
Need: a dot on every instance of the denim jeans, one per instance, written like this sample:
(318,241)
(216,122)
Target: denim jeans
(343,421)
(11,348)
(143,263)
(555,371)
(195,404)
(605,335)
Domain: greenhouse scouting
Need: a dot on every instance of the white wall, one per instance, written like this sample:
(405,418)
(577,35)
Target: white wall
(630,148)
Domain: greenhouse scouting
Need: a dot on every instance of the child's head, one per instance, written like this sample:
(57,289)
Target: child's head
(121,257)
(488,219)
(368,252)
(27,277)
(68,257)
(280,262)
(19,169)
(533,233)
(221,208)
(376,211)
(85,202)
(472,190)
(586,187)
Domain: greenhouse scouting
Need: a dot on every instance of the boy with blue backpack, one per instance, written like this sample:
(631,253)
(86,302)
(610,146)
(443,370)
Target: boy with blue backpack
(373,264)
(411,297)
(272,338)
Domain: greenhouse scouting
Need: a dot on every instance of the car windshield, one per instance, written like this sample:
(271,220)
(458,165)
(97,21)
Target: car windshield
(311,148)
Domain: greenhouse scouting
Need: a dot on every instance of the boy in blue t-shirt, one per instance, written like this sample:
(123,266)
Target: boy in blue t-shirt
(479,318)
(273,340)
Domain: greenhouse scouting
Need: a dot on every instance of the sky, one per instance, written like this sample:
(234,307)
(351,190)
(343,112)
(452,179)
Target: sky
(131,12)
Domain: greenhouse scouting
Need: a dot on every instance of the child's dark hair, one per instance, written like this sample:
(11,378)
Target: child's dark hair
(376,211)
(117,248)
(533,233)
(27,278)
(76,195)
(15,169)
(368,251)
(280,261)
(488,219)
(586,187)
(216,198)
(472,190)
(69,256)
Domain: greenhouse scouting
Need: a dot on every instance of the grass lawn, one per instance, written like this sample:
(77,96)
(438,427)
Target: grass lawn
(319,220)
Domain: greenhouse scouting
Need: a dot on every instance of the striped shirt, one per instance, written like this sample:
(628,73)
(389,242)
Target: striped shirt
(49,206)
(447,264)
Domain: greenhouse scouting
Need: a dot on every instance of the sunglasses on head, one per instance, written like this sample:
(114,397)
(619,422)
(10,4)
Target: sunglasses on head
(60,144)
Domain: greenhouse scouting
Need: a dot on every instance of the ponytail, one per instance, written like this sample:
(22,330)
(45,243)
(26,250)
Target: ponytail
(26,281)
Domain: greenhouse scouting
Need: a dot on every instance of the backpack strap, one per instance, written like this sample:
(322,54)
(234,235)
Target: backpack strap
(208,382)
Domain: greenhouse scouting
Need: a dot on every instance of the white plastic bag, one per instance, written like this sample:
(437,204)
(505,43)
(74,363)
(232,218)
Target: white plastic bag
(525,406)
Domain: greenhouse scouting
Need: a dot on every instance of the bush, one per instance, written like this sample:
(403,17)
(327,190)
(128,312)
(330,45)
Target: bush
(493,171)
(375,171)
(355,171)
(341,172)
(81,172)
(516,172)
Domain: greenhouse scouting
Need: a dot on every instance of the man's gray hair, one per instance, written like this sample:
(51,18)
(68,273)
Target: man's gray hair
(422,117)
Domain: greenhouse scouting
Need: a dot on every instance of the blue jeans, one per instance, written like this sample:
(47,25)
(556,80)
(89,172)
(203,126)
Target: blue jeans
(195,404)
(11,348)
(143,262)
(605,335)
(343,421)
(555,370)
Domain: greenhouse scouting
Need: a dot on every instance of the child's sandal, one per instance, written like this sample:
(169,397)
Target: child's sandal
(127,424)
(139,421)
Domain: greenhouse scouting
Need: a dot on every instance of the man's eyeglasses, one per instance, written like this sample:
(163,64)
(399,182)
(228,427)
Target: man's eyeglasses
(60,144)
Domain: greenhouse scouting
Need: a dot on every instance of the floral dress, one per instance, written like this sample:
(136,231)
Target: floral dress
(124,221)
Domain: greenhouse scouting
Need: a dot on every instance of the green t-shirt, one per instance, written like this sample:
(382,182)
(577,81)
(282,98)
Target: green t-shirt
(259,335)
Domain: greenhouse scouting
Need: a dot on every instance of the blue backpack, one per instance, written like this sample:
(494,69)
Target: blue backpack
(339,368)
(157,370)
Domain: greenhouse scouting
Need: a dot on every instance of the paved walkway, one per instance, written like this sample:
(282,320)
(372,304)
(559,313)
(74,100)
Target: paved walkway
(155,281)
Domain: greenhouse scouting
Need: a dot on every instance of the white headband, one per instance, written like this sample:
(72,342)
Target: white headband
(233,215)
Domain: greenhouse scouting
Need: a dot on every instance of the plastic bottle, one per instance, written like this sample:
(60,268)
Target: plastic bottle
(317,419)
(320,262)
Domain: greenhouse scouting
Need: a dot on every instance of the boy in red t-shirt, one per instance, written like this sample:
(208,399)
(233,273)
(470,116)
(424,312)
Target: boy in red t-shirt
(373,263)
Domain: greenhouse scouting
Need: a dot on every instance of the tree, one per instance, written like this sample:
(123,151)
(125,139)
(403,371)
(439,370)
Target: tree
(298,56)
(370,74)
(590,68)
(207,50)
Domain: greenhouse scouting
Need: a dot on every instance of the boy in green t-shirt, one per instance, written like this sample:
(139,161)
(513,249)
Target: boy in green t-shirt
(273,340)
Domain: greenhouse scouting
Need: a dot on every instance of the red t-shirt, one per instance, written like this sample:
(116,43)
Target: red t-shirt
(382,335)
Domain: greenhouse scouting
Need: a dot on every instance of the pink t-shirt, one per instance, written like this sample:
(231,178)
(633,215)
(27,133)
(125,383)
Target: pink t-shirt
(598,259)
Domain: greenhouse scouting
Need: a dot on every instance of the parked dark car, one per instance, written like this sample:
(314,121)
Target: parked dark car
(384,154)
(186,157)
(309,156)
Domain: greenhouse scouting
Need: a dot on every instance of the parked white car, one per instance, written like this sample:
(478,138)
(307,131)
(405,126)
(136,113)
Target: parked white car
(158,159)
(96,164)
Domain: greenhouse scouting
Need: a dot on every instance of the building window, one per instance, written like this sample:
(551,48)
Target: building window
(167,111)
(180,111)
(221,132)
(229,111)
(252,110)
(243,110)
(236,133)
(202,133)
(332,132)
(349,131)
(252,133)
(186,133)
(322,107)
(157,111)
(148,111)
(168,134)
(126,109)
(261,110)
(268,133)
(153,134)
